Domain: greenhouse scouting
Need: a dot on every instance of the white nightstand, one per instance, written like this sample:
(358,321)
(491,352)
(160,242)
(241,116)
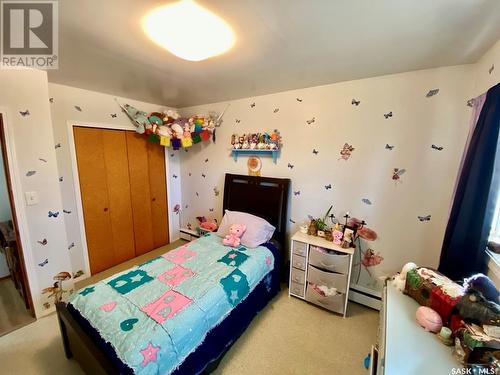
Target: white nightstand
(330,267)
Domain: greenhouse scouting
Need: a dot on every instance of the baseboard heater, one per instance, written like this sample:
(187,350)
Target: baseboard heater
(364,296)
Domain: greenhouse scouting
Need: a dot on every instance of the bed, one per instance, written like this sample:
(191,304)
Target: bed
(205,324)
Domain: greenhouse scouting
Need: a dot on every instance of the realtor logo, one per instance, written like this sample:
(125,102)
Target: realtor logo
(29,34)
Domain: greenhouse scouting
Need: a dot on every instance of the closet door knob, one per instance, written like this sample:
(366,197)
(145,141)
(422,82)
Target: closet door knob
(105,209)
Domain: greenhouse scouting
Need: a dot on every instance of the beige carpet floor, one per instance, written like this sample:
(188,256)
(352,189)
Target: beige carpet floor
(13,312)
(288,337)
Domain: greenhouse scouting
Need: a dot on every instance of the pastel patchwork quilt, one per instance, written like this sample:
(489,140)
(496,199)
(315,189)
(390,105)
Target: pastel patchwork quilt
(154,315)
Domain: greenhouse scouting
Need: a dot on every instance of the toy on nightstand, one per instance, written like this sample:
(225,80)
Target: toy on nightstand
(233,239)
(206,225)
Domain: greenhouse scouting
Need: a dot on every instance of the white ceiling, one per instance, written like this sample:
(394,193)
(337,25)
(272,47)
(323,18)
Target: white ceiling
(281,45)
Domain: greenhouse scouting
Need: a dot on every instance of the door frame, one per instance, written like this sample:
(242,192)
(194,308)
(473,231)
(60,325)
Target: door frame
(18,209)
(76,180)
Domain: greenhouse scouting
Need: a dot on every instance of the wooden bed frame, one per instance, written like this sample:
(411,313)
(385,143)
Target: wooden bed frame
(265,197)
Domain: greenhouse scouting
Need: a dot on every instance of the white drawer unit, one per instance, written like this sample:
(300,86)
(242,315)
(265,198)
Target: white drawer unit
(317,264)
(298,262)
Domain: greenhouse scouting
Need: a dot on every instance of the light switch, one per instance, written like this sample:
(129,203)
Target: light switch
(31,198)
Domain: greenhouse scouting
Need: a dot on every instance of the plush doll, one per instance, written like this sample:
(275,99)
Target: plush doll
(177,130)
(484,285)
(400,279)
(169,116)
(209,225)
(139,118)
(476,308)
(233,239)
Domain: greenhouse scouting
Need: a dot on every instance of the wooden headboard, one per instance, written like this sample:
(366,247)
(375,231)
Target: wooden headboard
(265,197)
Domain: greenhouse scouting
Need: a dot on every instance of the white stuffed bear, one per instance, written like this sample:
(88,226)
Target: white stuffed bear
(400,279)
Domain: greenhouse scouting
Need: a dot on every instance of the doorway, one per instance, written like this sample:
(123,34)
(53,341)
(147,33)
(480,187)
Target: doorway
(16,306)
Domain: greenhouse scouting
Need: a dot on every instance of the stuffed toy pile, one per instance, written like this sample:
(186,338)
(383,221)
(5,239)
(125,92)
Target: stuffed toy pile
(169,129)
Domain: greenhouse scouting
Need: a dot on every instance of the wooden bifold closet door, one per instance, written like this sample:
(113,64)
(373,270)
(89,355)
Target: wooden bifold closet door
(124,198)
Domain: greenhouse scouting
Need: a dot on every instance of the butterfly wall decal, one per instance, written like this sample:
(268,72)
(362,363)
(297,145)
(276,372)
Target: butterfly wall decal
(438,148)
(174,176)
(177,209)
(388,146)
(252,105)
(197,194)
(366,201)
(53,214)
(44,160)
(387,115)
(296,192)
(432,93)
(315,152)
(30,173)
(44,263)
(311,121)
(113,115)
(24,113)
(346,151)
(470,103)
(61,179)
(299,100)
(276,110)
(189,174)
(206,160)
(397,173)
(58,145)
(424,218)
(203,175)
(355,102)
(43,242)
(216,192)
(490,70)
(292,221)
(290,166)
(237,121)
(51,100)
(71,245)
(172,155)
(66,212)
(78,108)
(211,209)
(328,187)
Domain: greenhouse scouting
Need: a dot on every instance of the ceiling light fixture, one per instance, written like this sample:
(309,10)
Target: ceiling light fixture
(188,30)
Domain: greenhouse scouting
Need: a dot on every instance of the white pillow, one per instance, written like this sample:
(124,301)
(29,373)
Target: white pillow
(258,231)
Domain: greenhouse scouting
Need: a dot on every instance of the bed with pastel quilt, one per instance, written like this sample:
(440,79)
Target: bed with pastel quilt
(177,313)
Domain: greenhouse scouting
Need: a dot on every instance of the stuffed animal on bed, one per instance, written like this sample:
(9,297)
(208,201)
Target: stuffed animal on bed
(233,239)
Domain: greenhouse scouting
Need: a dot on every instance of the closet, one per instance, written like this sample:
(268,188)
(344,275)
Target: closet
(124,194)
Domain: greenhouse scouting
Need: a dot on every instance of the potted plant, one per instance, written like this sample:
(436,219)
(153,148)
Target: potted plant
(319,226)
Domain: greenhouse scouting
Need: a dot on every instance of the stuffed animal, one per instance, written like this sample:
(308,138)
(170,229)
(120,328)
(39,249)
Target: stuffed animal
(233,239)
(206,224)
(476,308)
(139,118)
(400,279)
(177,130)
(484,285)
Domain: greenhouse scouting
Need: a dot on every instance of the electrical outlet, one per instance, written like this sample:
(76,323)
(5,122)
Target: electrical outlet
(31,198)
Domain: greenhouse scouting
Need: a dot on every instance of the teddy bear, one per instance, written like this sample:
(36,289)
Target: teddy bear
(233,239)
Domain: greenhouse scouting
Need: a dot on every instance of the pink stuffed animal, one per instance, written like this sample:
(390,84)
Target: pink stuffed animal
(233,239)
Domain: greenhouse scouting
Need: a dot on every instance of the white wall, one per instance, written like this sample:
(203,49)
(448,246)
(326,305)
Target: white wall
(96,108)
(484,76)
(417,123)
(32,145)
